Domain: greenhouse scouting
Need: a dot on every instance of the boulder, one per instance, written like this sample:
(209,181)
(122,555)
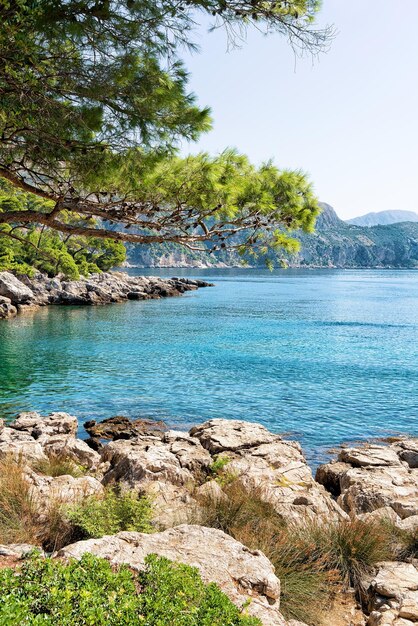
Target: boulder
(7,309)
(391,595)
(19,550)
(274,467)
(47,490)
(121,427)
(167,468)
(375,477)
(242,574)
(20,445)
(14,289)
(41,427)
(69,447)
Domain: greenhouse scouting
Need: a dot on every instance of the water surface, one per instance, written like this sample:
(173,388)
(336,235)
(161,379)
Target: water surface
(326,355)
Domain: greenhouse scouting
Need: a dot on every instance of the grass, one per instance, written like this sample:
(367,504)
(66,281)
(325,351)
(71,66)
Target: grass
(58,465)
(18,516)
(312,560)
(22,521)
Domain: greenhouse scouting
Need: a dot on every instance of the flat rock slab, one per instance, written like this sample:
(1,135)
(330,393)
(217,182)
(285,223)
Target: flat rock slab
(241,573)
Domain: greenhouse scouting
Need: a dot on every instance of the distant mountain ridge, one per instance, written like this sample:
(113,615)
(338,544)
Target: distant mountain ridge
(335,244)
(383,218)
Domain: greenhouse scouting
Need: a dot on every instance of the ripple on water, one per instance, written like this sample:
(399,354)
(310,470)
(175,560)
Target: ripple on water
(328,356)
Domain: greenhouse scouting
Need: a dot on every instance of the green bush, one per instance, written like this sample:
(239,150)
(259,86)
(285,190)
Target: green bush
(89,592)
(116,511)
(191,602)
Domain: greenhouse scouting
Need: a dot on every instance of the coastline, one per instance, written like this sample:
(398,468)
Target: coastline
(181,472)
(18,295)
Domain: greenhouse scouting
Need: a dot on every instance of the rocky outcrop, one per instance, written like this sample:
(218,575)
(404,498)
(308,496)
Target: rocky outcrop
(375,479)
(270,464)
(33,438)
(121,427)
(243,574)
(173,465)
(391,595)
(23,293)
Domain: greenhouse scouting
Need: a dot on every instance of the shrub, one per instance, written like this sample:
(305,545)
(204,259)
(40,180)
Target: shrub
(89,591)
(116,511)
(310,559)
(58,465)
(191,602)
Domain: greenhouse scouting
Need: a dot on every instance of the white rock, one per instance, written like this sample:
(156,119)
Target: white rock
(241,573)
(14,289)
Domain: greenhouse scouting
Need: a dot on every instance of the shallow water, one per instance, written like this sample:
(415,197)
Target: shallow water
(326,355)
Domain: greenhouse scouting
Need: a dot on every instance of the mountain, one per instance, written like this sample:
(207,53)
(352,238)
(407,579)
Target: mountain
(335,243)
(384,218)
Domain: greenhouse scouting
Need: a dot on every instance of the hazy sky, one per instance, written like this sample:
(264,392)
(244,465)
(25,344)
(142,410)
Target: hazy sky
(349,119)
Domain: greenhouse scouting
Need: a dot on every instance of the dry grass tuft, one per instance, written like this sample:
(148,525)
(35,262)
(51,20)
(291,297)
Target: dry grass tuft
(17,507)
(58,465)
(313,561)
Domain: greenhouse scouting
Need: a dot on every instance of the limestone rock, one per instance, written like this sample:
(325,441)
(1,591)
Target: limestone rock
(69,447)
(103,288)
(369,455)
(40,427)
(14,289)
(218,435)
(374,477)
(20,445)
(47,490)
(273,466)
(7,309)
(241,573)
(18,550)
(121,427)
(391,595)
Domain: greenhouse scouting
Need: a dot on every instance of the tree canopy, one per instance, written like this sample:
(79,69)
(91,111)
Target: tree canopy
(94,102)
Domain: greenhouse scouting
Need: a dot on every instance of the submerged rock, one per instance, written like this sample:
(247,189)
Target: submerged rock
(242,574)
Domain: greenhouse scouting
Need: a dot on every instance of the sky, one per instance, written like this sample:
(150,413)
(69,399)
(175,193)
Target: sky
(348,119)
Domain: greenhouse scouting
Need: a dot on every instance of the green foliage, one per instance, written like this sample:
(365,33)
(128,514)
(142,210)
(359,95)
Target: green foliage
(116,511)
(219,465)
(191,602)
(74,594)
(91,592)
(350,547)
(39,248)
(93,104)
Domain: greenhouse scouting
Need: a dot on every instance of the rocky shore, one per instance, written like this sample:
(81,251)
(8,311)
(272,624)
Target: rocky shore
(177,469)
(23,293)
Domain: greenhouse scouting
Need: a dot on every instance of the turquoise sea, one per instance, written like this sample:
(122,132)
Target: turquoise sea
(326,356)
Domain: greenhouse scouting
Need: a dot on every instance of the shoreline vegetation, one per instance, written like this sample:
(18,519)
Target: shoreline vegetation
(226,520)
